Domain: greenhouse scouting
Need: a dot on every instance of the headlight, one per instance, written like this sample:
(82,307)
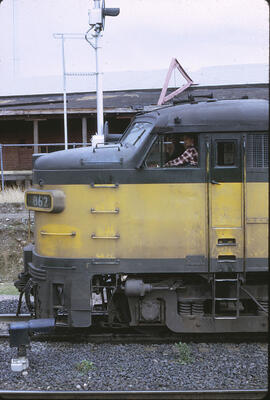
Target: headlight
(45,200)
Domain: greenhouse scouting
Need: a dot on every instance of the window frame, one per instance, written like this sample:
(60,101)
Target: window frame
(236,153)
(162,136)
(141,137)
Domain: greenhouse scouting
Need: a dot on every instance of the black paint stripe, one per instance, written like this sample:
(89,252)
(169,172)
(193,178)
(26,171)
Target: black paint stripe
(140,265)
(140,176)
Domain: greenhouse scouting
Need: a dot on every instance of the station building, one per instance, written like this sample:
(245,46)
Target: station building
(35,123)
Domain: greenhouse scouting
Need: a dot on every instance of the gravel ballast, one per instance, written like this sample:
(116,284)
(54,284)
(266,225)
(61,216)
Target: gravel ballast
(54,366)
(9,305)
(91,367)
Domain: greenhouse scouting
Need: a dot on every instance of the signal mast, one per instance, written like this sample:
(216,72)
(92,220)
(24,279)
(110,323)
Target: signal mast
(97,16)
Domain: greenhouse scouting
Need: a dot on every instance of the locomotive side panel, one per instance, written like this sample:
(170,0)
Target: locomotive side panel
(132,221)
(257,221)
(257,205)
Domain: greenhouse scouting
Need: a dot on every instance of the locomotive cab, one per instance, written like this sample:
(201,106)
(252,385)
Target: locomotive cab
(125,238)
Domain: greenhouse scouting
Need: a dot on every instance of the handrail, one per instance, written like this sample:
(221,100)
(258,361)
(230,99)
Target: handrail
(93,211)
(208,205)
(106,186)
(244,202)
(116,237)
(43,233)
(44,144)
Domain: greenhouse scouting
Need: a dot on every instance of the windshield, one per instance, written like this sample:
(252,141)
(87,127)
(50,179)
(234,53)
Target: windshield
(136,133)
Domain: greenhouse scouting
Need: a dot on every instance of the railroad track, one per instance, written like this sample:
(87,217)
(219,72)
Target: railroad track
(131,335)
(253,394)
(6,319)
(100,337)
(13,318)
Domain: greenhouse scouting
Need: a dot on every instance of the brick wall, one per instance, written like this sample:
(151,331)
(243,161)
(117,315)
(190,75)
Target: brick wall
(16,132)
(50,131)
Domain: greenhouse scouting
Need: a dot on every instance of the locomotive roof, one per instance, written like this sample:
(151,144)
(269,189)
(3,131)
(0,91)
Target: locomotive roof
(215,116)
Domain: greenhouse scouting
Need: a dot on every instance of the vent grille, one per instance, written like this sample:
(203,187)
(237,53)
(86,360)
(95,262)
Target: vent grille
(257,151)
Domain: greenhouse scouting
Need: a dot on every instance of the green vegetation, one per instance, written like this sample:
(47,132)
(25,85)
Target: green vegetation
(8,288)
(85,366)
(184,354)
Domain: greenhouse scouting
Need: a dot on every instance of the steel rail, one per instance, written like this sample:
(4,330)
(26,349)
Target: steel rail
(100,335)
(251,394)
(6,319)
(14,317)
(129,339)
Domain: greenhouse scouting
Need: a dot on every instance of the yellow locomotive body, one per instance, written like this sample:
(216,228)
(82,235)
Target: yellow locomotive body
(184,247)
(151,221)
(129,222)
(157,221)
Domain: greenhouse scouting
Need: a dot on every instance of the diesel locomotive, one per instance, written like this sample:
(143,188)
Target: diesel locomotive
(121,239)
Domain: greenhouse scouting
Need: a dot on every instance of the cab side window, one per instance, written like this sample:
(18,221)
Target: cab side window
(226,153)
(154,158)
(173,151)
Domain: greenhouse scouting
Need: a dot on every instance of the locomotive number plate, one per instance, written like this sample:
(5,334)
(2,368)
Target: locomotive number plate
(36,200)
(45,200)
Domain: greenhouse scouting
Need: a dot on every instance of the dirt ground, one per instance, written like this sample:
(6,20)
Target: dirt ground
(14,235)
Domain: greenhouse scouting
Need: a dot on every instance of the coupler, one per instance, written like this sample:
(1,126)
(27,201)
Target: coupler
(19,336)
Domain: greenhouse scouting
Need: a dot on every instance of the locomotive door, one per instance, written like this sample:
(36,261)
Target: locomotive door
(225,204)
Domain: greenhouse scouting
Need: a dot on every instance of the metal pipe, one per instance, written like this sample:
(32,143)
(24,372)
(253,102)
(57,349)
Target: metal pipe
(14,38)
(244,205)
(41,144)
(99,86)
(64,93)
(254,299)
(2,168)
(29,226)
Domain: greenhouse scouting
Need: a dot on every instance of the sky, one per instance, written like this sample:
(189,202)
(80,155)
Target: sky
(145,35)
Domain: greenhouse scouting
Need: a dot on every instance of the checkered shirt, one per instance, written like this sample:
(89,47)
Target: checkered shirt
(190,156)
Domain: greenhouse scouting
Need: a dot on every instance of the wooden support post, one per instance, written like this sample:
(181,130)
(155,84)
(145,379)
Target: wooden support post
(84,131)
(35,126)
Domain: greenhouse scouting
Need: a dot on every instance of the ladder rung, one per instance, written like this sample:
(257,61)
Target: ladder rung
(226,298)
(228,283)
(226,280)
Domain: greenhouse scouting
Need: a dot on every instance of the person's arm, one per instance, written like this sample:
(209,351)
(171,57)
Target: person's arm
(185,158)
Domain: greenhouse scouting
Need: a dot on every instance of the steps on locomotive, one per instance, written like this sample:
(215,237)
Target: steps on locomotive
(221,288)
